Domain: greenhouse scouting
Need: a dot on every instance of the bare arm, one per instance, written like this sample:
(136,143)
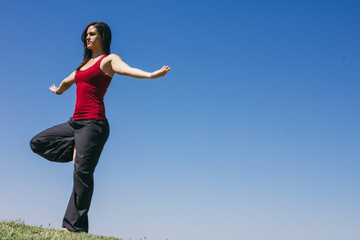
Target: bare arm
(120,67)
(64,85)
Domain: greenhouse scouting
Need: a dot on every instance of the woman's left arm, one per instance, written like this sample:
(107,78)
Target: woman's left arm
(120,67)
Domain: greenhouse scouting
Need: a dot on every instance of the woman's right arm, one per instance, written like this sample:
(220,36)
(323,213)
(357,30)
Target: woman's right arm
(64,85)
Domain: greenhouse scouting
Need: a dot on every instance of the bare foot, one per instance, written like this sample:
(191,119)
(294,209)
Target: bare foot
(64,230)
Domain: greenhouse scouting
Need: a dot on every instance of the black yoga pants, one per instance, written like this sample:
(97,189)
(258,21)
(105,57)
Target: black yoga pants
(57,144)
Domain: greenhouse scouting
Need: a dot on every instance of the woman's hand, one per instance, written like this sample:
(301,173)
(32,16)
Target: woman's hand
(64,85)
(54,89)
(161,72)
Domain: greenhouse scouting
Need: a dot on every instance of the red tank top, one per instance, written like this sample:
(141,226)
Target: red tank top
(91,86)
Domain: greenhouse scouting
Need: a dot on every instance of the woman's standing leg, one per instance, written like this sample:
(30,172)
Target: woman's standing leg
(90,138)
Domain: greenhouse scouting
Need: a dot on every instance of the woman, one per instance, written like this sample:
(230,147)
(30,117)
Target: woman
(83,137)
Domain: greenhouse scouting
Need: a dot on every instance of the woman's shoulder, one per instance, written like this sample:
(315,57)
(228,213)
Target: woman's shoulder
(107,62)
(109,58)
(113,56)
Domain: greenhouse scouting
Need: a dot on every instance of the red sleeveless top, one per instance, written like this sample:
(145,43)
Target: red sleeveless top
(91,86)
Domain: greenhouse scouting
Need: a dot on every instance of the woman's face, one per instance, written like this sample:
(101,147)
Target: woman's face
(93,39)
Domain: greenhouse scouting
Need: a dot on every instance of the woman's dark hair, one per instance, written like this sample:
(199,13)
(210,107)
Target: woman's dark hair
(104,32)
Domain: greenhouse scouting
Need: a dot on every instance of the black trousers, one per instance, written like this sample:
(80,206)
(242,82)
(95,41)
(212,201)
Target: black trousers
(57,144)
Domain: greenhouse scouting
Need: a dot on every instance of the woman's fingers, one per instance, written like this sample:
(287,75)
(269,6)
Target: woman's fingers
(53,88)
(165,69)
(161,72)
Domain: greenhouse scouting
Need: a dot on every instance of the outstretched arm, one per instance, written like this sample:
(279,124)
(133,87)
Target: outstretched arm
(120,67)
(64,85)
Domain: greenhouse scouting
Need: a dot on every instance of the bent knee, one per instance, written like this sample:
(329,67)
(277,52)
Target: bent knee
(34,143)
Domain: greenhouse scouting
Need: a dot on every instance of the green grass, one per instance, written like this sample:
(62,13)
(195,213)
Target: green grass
(15,230)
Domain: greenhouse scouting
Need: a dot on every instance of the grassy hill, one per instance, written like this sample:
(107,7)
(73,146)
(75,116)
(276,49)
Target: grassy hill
(15,230)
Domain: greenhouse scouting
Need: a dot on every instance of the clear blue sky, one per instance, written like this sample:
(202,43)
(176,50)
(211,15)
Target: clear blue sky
(254,133)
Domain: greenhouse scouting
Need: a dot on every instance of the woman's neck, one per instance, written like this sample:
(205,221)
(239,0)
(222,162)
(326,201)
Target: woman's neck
(97,53)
